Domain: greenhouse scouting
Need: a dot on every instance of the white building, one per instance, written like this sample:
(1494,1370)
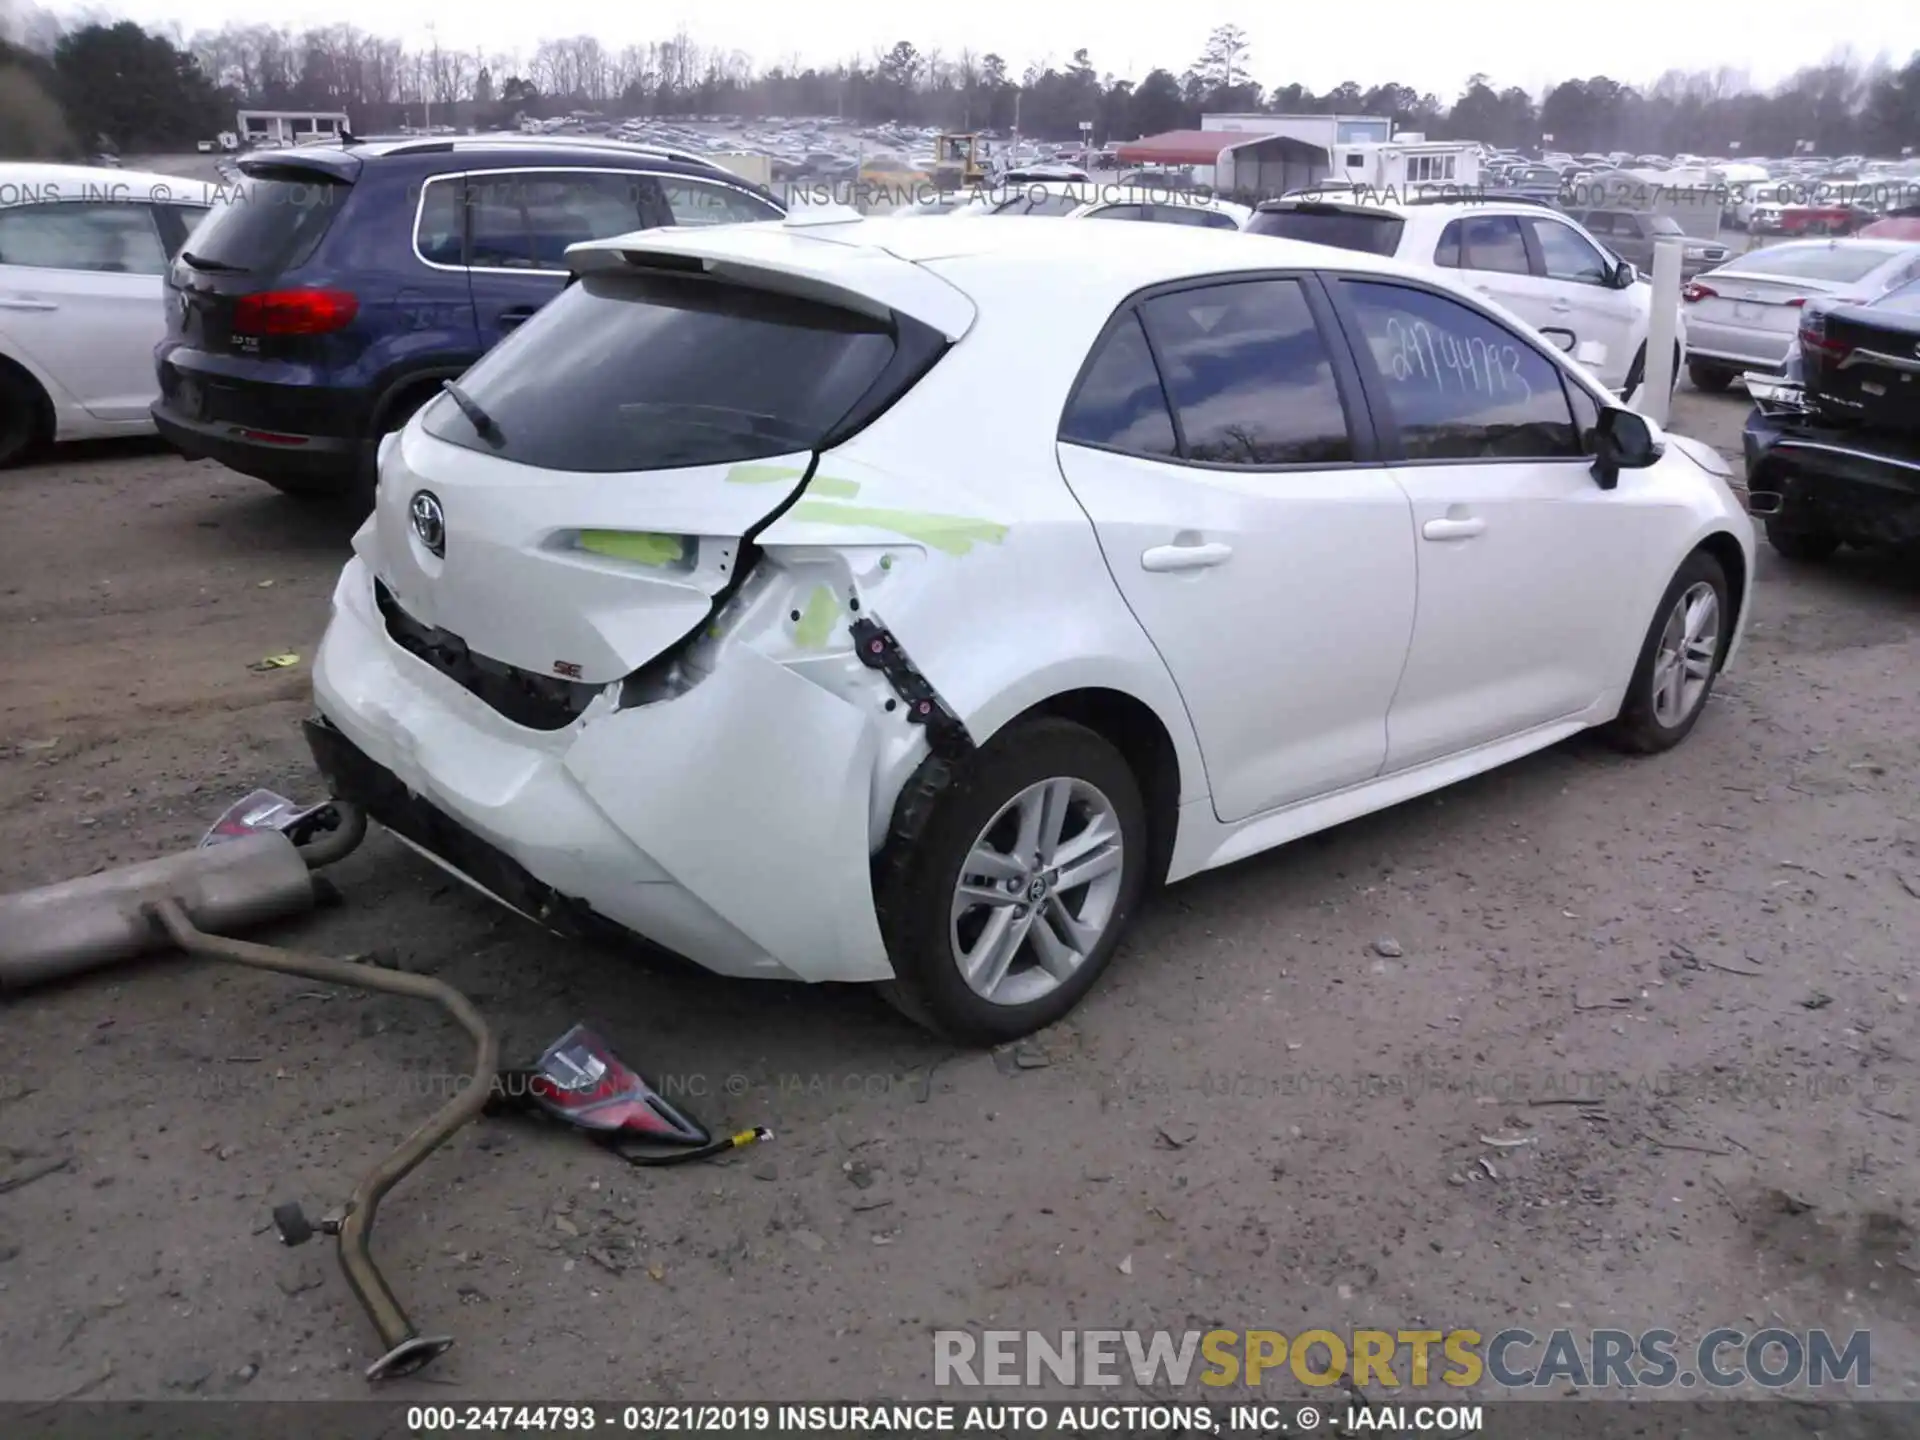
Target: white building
(291,127)
(1326,131)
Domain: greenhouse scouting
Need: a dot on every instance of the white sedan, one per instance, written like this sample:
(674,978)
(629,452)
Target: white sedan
(83,256)
(705,629)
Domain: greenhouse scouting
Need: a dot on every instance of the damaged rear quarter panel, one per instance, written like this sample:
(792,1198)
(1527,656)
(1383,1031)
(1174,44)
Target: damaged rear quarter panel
(989,575)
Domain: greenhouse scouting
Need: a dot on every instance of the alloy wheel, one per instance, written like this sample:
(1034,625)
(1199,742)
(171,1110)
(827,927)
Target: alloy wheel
(1036,891)
(1683,665)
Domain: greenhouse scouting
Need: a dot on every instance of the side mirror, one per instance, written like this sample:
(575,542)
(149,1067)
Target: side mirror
(1625,276)
(1623,440)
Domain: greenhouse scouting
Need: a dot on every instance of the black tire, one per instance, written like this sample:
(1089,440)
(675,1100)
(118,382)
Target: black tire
(1710,378)
(23,416)
(1637,729)
(915,880)
(366,480)
(1810,543)
(1637,374)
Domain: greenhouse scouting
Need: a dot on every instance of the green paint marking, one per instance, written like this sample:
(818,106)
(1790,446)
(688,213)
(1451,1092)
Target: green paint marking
(762,474)
(636,545)
(830,488)
(952,534)
(817,620)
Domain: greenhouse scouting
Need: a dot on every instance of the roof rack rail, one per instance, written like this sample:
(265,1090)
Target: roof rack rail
(1485,197)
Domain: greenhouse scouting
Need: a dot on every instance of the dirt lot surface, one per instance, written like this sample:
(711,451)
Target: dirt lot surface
(1270,1114)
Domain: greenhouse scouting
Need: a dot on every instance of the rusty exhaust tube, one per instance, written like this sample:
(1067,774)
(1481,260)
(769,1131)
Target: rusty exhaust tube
(406,1349)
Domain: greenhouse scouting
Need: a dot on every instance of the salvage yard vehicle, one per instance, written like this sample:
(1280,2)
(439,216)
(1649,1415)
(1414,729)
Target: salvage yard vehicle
(690,632)
(1744,314)
(1833,447)
(342,284)
(82,298)
(1632,235)
(1535,261)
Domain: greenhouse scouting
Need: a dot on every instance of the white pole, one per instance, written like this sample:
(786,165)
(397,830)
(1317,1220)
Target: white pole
(1662,326)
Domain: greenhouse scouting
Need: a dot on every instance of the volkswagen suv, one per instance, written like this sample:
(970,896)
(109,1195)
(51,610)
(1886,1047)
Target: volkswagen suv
(339,286)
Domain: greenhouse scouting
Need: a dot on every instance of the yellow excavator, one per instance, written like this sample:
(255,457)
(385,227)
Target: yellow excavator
(959,162)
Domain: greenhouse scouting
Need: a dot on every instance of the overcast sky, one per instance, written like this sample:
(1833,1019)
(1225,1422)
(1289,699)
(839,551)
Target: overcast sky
(1431,47)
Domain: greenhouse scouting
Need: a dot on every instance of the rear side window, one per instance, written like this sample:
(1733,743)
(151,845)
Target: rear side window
(117,239)
(1461,387)
(1489,242)
(1369,233)
(649,372)
(694,202)
(1249,375)
(1119,404)
(272,221)
(437,233)
(527,219)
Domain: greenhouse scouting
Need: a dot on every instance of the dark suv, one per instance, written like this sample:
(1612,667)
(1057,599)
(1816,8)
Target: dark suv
(341,285)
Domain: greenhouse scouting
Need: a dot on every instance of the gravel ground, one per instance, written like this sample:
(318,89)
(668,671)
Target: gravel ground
(1259,1119)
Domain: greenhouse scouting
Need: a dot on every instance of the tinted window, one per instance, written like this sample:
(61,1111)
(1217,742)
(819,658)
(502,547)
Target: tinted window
(1569,255)
(1249,375)
(630,372)
(1193,215)
(526,220)
(269,222)
(1119,402)
(1493,242)
(1447,252)
(119,239)
(1904,301)
(437,232)
(1041,203)
(1460,386)
(1369,233)
(1663,225)
(1119,212)
(694,202)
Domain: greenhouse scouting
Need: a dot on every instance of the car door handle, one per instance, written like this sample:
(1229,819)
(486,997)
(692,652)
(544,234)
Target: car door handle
(1452,529)
(1162,558)
(1562,307)
(26,302)
(519,315)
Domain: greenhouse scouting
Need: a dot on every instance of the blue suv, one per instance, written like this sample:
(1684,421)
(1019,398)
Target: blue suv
(340,285)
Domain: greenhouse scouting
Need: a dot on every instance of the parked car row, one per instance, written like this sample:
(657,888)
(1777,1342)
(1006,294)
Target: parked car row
(324,298)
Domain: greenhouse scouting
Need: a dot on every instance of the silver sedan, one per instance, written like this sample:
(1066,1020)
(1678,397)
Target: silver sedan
(1743,315)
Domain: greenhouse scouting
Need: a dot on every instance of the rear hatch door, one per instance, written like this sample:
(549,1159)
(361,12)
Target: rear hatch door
(598,492)
(1342,227)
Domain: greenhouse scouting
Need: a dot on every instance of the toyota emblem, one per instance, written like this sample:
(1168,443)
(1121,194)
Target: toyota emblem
(429,521)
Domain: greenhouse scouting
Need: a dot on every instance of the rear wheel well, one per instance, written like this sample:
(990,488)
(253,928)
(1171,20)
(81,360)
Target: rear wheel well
(16,376)
(1136,732)
(1733,560)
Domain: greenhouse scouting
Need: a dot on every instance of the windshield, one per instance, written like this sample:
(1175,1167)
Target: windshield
(649,372)
(1665,225)
(268,223)
(1841,264)
(1369,232)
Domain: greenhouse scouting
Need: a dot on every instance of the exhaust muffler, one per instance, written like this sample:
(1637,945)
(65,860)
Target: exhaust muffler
(191,902)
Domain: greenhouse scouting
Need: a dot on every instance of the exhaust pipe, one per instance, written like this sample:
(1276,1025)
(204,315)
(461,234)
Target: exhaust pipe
(406,1349)
(77,926)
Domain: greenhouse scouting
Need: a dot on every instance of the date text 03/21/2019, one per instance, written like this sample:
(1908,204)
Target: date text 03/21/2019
(942,1418)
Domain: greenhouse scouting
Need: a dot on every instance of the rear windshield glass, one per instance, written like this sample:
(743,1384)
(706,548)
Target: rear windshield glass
(1342,229)
(268,223)
(1904,301)
(649,372)
(1814,262)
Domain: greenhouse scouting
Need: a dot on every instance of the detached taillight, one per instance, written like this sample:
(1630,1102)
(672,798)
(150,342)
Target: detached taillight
(295,312)
(1694,292)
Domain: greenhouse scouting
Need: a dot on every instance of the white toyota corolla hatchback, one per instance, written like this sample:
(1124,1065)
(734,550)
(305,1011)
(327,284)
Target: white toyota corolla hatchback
(870,600)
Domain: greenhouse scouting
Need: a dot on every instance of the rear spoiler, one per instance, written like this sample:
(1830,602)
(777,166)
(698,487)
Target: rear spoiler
(320,162)
(864,279)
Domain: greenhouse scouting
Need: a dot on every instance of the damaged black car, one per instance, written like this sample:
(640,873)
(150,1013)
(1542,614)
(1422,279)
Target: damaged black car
(1833,445)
